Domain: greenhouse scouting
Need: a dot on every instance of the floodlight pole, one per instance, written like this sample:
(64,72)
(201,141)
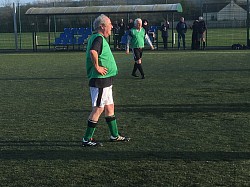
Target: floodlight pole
(54,5)
(20,25)
(15,26)
(248,22)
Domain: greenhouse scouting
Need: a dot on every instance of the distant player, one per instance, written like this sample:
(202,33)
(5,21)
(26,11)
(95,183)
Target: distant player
(136,38)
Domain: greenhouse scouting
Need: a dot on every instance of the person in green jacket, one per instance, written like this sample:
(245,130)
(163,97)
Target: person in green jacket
(101,69)
(136,37)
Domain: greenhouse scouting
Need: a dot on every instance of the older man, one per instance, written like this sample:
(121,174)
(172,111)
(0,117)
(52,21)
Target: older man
(137,35)
(181,29)
(202,32)
(101,68)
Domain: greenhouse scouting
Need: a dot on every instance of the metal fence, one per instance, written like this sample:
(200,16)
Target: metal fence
(31,33)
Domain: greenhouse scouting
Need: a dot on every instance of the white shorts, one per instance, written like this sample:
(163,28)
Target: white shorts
(101,96)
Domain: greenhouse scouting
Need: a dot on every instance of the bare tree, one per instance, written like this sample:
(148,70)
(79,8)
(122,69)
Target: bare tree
(6,3)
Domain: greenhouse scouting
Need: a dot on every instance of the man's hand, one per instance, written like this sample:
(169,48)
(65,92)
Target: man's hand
(102,70)
(94,57)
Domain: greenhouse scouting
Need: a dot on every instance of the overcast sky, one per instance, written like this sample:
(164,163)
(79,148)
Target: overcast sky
(3,2)
(26,1)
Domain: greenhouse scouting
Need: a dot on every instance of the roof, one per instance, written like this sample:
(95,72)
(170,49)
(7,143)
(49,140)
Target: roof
(232,12)
(213,7)
(216,7)
(105,9)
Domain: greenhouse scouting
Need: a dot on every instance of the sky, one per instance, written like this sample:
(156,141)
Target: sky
(25,1)
(2,2)
(10,2)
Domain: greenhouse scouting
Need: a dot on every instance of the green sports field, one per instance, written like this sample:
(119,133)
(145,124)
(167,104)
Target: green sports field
(189,121)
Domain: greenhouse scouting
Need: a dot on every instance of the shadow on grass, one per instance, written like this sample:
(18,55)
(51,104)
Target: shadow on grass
(159,109)
(29,79)
(40,78)
(228,107)
(223,70)
(102,154)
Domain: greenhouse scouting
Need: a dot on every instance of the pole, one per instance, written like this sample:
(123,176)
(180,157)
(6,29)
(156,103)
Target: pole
(206,23)
(248,22)
(20,25)
(54,4)
(49,31)
(173,34)
(15,26)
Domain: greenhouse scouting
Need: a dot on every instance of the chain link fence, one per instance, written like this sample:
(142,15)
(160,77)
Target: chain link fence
(227,24)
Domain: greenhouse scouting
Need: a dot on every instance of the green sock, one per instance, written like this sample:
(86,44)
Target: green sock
(111,121)
(90,130)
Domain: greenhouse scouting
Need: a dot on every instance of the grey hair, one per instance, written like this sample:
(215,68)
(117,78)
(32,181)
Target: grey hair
(100,20)
(137,20)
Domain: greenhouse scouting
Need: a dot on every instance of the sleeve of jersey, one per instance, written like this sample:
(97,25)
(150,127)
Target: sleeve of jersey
(148,40)
(97,45)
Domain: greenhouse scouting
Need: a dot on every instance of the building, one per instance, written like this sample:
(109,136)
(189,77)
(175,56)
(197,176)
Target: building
(232,12)
(223,12)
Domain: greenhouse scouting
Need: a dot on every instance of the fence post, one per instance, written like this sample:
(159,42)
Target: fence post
(174,38)
(248,22)
(15,26)
(35,40)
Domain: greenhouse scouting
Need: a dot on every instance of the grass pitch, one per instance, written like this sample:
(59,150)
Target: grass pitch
(188,120)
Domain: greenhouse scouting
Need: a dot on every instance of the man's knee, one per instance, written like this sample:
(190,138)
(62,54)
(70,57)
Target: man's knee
(138,61)
(109,110)
(97,110)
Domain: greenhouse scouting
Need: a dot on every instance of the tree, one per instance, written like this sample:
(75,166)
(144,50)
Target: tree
(6,3)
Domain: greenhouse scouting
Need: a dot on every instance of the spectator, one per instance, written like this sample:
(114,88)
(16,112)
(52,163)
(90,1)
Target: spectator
(164,33)
(145,25)
(181,29)
(130,24)
(195,36)
(122,29)
(150,33)
(202,32)
(116,31)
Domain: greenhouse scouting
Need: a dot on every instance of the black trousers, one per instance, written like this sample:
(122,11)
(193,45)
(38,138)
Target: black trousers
(165,41)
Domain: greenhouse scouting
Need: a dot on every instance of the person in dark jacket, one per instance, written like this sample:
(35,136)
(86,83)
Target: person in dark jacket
(122,31)
(145,25)
(164,34)
(195,36)
(130,24)
(150,33)
(202,32)
(116,31)
(181,29)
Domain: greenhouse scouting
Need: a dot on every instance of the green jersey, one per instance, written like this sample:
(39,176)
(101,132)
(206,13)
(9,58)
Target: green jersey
(105,59)
(137,38)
